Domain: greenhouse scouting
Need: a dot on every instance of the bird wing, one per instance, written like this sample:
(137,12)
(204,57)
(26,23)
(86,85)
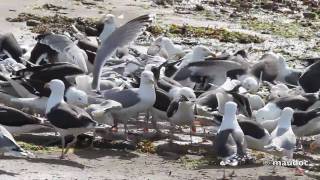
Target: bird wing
(127,98)
(173,107)
(306,80)
(301,118)
(56,42)
(120,37)
(67,116)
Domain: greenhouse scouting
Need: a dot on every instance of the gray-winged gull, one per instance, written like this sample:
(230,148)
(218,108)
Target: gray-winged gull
(164,47)
(134,100)
(283,140)
(120,37)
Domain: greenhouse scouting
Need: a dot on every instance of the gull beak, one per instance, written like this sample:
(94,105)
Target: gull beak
(47,85)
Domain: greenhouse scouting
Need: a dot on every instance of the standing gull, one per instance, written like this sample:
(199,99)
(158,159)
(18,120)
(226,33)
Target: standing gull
(67,119)
(230,142)
(134,100)
(283,140)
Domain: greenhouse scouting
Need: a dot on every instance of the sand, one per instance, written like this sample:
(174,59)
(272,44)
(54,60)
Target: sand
(110,163)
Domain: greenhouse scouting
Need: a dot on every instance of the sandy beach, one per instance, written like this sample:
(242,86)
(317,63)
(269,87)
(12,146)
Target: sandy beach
(121,164)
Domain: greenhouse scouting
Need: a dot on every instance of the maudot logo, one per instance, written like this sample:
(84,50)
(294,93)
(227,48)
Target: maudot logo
(287,163)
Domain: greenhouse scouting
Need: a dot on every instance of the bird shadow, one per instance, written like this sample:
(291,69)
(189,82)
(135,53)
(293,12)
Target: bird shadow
(95,153)
(2,172)
(50,161)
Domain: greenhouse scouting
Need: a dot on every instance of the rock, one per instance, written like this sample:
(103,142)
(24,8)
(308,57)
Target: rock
(199,7)
(270,6)
(32,22)
(309,15)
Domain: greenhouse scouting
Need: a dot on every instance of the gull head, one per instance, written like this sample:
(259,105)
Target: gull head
(55,85)
(147,77)
(250,84)
(76,97)
(201,52)
(108,19)
(188,93)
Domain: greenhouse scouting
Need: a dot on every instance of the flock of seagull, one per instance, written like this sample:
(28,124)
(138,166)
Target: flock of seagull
(80,84)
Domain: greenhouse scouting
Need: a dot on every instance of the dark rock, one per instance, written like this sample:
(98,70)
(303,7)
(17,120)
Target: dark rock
(309,15)
(32,22)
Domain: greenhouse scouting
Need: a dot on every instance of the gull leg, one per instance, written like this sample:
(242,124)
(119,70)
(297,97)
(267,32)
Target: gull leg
(171,132)
(274,170)
(126,128)
(70,144)
(146,129)
(190,135)
(94,136)
(62,147)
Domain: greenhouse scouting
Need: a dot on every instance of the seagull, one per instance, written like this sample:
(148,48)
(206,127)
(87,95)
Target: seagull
(58,48)
(283,140)
(308,80)
(36,103)
(18,122)
(273,67)
(230,141)
(181,110)
(272,109)
(10,46)
(119,38)
(255,134)
(102,113)
(9,145)
(164,47)
(134,100)
(214,72)
(66,119)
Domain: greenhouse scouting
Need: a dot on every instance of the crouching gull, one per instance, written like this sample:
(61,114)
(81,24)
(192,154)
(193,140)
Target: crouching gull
(164,47)
(17,122)
(10,46)
(58,48)
(66,119)
(118,38)
(272,110)
(134,100)
(309,79)
(9,145)
(230,143)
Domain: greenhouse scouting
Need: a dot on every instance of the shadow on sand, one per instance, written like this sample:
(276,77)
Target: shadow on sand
(2,172)
(48,161)
(96,153)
